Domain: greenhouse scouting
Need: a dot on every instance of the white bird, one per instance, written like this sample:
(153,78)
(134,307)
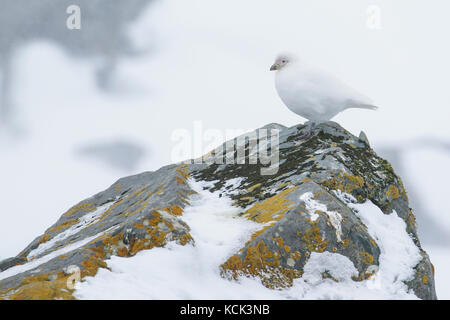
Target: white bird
(312,93)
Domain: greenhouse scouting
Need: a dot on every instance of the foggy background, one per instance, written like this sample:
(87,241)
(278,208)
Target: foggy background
(81,108)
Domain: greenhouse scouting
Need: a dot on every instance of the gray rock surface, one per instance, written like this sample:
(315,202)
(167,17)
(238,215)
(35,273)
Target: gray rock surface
(302,207)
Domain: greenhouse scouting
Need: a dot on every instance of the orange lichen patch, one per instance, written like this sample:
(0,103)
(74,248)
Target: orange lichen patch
(63,256)
(109,243)
(64,225)
(175,210)
(305,180)
(137,206)
(392,193)
(85,207)
(155,237)
(107,212)
(41,287)
(296,255)
(425,279)
(411,220)
(44,238)
(94,262)
(140,204)
(180,181)
(368,258)
(344,182)
(346,242)
(279,241)
(117,187)
(122,252)
(287,248)
(313,239)
(139,225)
(271,209)
(262,262)
(183,174)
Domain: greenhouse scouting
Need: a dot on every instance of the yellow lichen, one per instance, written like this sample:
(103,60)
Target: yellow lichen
(39,287)
(411,220)
(175,210)
(368,258)
(296,255)
(261,261)
(271,209)
(254,187)
(44,238)
(64,225)
(373,243)
(183,174)
(344,182)
(313,240)
(279,241)
(85,207)
(392,193)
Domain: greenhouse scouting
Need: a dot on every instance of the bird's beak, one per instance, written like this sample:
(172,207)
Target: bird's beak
(274,67)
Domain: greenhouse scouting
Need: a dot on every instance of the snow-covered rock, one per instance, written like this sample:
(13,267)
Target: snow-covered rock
(327,219)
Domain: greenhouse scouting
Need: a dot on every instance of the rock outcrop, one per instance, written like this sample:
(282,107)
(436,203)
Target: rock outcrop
(313,202)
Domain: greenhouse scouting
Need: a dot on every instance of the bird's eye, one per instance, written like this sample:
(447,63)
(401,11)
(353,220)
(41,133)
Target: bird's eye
(284,61)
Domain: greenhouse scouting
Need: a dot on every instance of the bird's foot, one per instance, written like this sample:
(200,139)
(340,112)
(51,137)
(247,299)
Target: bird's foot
(309,126)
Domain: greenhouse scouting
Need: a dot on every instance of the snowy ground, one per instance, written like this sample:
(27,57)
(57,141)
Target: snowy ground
(219,74)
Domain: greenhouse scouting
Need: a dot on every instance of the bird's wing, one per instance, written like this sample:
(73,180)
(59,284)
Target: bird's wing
(331,88)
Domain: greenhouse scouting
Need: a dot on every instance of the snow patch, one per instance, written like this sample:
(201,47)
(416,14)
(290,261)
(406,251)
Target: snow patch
(37,262)
(88,219)
(312,206)
(399,255)
(338,266)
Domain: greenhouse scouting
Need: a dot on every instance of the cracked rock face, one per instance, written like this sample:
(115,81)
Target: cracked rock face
(308,206)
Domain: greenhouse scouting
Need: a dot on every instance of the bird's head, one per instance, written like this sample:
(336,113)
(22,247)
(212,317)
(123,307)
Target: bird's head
(281,61)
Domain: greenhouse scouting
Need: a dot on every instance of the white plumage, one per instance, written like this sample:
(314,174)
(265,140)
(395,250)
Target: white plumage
(312,93)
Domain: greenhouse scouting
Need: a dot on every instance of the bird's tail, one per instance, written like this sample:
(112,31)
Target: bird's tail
(365,106)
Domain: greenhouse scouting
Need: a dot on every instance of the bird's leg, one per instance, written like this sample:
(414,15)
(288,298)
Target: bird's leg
(305,136)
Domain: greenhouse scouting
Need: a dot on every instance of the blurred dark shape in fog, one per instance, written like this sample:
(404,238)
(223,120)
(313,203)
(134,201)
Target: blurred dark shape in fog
(102,34)
(122,155)
(430,231)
